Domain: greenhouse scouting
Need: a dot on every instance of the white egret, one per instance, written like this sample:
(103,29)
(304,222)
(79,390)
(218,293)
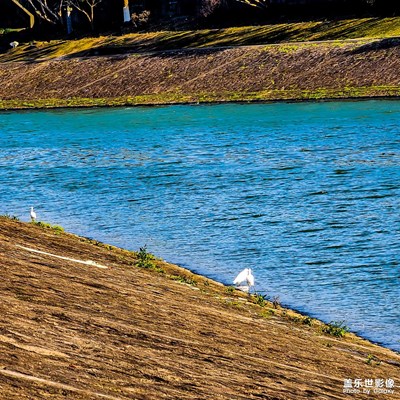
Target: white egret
(245,275)
(33,215)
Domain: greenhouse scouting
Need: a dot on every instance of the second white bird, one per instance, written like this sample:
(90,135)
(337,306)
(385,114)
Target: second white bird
(245,276)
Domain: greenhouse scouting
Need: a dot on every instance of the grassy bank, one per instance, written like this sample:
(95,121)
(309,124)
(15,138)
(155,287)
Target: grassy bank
(85,320)
(356,59)
(363,28)
(288,71)
(207,98)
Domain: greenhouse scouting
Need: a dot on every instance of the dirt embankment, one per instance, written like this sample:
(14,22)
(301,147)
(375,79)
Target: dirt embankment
(285,71)
(79,320)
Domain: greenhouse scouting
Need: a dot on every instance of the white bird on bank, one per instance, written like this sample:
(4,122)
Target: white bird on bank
(14,44)
(33,215)
(245,275)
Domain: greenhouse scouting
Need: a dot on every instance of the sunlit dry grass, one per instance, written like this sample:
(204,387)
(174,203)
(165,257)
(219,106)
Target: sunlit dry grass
(235,36)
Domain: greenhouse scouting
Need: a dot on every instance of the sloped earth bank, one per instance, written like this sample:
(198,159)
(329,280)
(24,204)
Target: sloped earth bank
(337,69)
(79,320)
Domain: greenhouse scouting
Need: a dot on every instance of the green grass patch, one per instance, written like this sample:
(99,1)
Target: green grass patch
(230,289)
(10,217)
(335,328)
(307,321)
(56,228)
(372,360)
(267,313)
(197,98)
(184,279)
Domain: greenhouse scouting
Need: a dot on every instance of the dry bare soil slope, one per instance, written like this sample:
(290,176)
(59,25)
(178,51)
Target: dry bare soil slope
(291,71)
(79,320)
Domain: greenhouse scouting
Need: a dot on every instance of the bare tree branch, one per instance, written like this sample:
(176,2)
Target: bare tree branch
(255,3)
(86,7)
(26,11)
(50,11)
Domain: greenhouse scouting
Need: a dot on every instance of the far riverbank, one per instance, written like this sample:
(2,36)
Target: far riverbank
(365,68)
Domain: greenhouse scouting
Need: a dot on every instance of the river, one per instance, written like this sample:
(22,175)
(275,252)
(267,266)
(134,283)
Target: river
(306,194)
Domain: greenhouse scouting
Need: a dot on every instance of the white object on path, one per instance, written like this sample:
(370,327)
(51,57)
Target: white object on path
(14,44)
(245,275)
(33,214)
(86,262)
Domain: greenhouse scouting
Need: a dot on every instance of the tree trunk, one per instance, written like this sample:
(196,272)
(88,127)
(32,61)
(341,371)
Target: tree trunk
(92,17)
(30,15)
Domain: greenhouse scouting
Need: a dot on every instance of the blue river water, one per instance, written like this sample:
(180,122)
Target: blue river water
(306,194)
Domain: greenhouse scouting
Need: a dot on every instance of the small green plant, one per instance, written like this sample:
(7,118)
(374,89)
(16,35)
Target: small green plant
(234,304)
(293,318)
(184,279)
(372,360)
(307,321)
(260,299)
(145,259)
(335,328)
(267,313)
(230,289)
(159,270)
